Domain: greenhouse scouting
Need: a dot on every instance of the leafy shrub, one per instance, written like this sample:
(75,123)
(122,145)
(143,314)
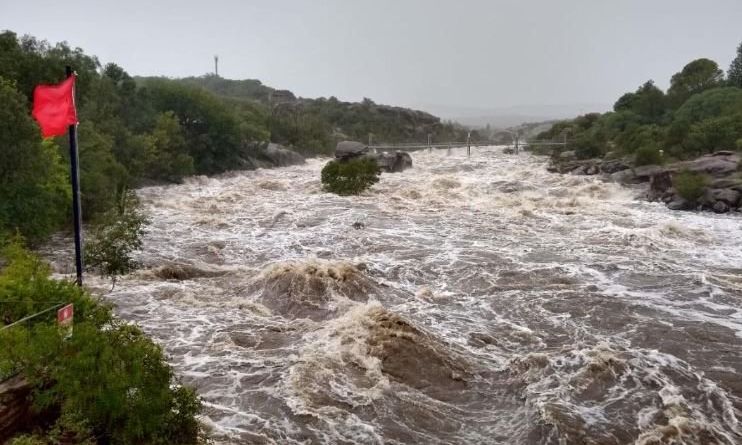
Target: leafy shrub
(709,135)
(107,381)
(350,177)
(648,155)
(690,186)
(114,239)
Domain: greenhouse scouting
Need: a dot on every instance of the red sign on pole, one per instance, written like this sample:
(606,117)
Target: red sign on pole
(64,319)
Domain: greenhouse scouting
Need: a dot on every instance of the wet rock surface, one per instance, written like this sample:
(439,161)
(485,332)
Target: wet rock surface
(721,170)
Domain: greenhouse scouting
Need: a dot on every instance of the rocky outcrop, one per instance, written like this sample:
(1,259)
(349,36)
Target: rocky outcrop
(15,406)
(273,155)
(389,162)
(350,149)
(722,170)
(567,162)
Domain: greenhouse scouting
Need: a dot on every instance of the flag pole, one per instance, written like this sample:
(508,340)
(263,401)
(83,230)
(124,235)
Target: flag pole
(75,176)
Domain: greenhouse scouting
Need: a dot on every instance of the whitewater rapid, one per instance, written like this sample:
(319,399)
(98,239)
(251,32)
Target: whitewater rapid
(476,300)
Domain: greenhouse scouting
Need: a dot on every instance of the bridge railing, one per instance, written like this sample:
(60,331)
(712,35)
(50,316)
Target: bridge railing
(413,146)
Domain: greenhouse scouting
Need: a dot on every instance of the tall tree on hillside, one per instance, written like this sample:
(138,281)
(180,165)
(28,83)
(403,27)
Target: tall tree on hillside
(648,102)
(697,76)
(734,75)
(34,191)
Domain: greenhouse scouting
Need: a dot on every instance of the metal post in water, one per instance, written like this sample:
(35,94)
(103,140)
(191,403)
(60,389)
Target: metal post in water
(517,142)
(468,144)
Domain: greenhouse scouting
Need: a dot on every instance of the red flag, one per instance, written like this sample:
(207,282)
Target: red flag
(54,107)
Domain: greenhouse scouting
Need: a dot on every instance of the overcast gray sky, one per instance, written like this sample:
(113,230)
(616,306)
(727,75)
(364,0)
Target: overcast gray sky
(435,54)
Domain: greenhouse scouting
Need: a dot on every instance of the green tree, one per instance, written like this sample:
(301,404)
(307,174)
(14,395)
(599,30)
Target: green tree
(709,104)
(212,131)
(34,186)
(166,154)
(648,102)
(734,75)
(350,177)
(117,235)
(648,154)
(697,76)
(102,177)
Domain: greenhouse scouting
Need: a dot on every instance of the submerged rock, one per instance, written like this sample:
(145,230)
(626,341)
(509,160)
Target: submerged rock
(720,207)
(281,156)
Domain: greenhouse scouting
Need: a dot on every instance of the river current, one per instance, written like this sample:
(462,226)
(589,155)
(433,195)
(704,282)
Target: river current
(468,300)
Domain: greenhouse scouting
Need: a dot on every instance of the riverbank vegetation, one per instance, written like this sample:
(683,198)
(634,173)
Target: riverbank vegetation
(700,113)
(106,383)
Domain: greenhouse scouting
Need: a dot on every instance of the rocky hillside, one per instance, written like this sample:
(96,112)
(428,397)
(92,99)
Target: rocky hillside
(325,121)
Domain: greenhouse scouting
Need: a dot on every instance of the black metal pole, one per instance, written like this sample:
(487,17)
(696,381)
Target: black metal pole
(76,207)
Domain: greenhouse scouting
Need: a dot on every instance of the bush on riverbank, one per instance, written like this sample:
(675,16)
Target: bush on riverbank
(690,186)
(107,383)
(648,155)
(350,177)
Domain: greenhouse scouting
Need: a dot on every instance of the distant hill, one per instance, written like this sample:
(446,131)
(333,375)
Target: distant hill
(330,118)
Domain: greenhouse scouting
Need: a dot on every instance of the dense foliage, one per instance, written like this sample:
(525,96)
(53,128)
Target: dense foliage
(107,383)
(350,177)
(700,113)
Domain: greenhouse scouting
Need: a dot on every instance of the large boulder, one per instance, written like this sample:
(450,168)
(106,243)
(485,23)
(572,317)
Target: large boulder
(659,185)
(613,166)
(264,155)
(350,149)
(281,156)
(392,162)
(646,172)
(568,155)
(680,204)
(720,207)
(728,196)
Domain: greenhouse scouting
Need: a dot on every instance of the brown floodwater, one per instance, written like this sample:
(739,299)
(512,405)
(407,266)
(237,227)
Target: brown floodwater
(475,300)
